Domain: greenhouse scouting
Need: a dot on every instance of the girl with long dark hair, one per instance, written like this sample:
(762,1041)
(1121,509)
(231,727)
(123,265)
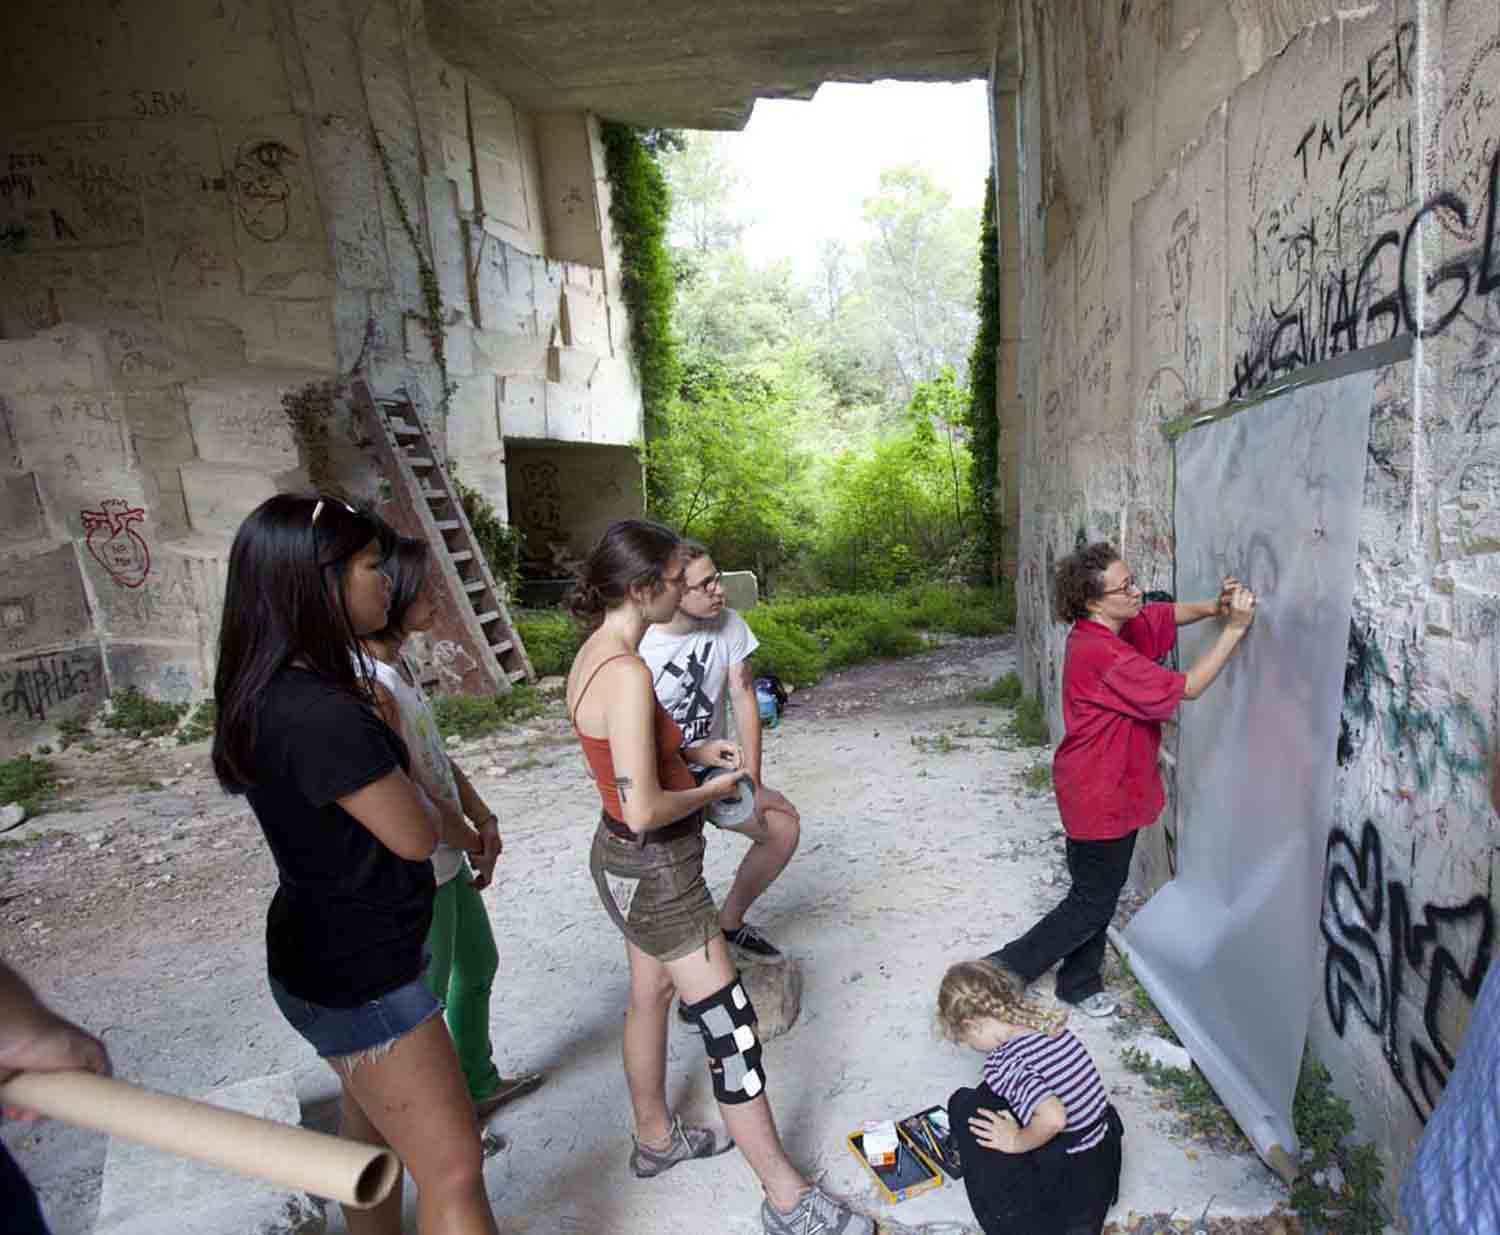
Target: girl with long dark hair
(461,945)
(647,863)
(298,734)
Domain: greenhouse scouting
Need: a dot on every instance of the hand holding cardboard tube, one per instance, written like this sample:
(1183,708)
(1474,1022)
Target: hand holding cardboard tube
(50,1066)
(347,1171)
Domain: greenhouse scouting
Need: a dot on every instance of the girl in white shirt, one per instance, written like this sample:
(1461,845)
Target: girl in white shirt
(464,959)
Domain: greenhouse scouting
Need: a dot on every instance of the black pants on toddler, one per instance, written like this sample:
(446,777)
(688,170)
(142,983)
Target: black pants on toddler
(1045,1192)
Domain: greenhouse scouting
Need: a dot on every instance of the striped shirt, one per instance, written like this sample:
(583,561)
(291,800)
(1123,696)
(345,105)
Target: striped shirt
(1033,1067)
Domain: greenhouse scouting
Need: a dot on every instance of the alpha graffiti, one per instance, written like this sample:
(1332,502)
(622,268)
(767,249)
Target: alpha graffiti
(1451,742)
(30,688)
(1384,961)
(1376,299)
(115,544)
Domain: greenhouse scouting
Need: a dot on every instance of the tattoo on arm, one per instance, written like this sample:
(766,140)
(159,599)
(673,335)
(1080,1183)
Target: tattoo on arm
(743,675)
(622,783)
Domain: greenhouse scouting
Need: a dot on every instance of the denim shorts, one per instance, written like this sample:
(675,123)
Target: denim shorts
(365,1030)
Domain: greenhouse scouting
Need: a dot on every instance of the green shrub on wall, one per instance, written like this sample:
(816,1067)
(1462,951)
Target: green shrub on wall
(640,208)
(984,415)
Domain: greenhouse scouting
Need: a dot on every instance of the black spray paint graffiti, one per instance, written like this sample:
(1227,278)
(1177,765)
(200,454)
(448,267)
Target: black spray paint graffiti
(1340,311)
(262,187)
(1387,78)
(44,683)
(1383,963)
(1450,742)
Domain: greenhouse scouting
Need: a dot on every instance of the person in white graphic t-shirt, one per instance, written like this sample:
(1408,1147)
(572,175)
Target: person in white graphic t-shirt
(700,665)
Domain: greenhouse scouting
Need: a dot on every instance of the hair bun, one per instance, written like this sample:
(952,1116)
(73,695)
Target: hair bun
(585,601)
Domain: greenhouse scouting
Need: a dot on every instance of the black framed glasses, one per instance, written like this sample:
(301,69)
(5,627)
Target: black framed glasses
(714,580)
(1130,585)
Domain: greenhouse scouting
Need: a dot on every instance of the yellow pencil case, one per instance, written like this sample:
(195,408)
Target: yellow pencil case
(913,1172)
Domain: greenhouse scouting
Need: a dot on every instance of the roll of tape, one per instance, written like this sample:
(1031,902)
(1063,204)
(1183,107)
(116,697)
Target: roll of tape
(736,809)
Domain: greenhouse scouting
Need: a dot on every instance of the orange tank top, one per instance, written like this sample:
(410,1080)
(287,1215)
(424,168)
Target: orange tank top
(672,771)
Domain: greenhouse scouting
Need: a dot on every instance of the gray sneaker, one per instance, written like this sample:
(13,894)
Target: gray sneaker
(816,1213)
(687,1143)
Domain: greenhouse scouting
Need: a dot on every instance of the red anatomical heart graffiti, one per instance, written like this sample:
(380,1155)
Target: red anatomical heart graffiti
(115,543)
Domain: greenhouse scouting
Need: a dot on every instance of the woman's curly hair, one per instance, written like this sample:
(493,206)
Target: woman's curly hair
(1080,579)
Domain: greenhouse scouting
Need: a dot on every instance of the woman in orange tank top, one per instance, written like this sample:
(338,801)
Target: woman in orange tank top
(647,864)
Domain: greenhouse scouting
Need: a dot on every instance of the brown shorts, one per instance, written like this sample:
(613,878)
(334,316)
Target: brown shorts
(655,893)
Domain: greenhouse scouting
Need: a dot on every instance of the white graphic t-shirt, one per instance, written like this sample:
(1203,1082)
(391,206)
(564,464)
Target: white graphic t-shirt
(429,757)
(691,672)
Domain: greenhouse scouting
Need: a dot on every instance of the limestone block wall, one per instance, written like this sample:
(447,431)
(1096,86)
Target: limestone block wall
(562,498)
(1214,196)
(204,208)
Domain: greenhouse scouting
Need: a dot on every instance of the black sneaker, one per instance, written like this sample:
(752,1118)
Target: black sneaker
(748,939)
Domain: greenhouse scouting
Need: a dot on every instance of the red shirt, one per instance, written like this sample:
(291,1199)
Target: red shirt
(1115,697)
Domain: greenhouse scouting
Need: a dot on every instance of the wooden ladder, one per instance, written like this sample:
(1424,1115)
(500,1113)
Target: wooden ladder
(424,502)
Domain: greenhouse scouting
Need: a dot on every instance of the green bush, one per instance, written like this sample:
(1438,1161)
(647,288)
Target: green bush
(872,640)
(134,712)
(552,639)
(1030,723)
(199,725)
(787,651)
(1005,690)
(26,780)
(1324,1122)
(498,541)
(474,716)
(803,637)
(959,610)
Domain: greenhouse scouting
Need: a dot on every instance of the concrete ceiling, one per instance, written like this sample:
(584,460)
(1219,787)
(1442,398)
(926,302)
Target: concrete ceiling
(701,64)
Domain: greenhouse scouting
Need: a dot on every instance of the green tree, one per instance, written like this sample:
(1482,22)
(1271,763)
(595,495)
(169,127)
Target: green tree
(914,297)
(703,186)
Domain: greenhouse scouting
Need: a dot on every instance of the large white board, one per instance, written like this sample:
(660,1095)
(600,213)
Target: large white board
(1228,948)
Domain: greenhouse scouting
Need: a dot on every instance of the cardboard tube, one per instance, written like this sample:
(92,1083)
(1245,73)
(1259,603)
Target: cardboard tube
(346,1171)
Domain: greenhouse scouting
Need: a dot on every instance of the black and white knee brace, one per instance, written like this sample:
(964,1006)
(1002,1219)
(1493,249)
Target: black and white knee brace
(726,1019)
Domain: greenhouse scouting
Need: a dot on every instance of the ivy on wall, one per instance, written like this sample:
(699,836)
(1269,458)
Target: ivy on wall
(640,206)
(984,414)
(432,296)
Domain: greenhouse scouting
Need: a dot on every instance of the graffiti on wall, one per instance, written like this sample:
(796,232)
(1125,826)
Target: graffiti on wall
(30,688)
(263,187)
(1441,745)
(114,542)
(1385,962)
(1347,307)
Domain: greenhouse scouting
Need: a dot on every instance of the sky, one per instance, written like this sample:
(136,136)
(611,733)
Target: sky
(805,168)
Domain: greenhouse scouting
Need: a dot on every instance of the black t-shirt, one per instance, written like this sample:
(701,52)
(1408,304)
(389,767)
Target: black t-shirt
(350,918)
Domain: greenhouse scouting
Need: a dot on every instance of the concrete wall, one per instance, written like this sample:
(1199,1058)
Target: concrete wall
(195,218)
(1214,195)
(563,497)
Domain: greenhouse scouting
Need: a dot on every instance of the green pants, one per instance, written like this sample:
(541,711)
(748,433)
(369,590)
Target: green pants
(460,974)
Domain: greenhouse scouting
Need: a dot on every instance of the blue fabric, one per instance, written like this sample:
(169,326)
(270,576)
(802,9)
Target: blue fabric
(346,1031)
(1453,1185)
(19,1212)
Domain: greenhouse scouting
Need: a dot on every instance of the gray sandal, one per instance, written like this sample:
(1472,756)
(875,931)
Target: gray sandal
(687,1143)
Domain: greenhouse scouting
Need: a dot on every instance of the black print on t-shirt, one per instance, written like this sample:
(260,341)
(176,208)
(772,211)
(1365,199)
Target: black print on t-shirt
(693,709)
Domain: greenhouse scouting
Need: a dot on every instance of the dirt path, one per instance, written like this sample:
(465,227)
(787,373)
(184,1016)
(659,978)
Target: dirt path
(139,911)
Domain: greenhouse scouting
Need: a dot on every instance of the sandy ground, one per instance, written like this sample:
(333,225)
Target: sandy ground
(136,905)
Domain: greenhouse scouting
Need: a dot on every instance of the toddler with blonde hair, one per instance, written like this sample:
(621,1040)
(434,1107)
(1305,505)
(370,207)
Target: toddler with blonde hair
(1039,1140)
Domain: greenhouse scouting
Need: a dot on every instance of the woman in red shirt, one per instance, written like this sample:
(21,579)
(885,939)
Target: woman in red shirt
(1115,698)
